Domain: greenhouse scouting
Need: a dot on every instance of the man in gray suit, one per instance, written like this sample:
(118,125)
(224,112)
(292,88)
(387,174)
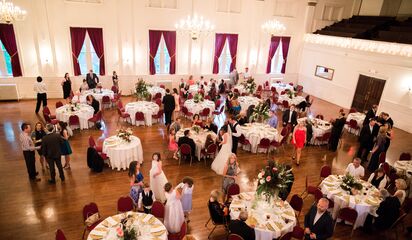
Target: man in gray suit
(51,145)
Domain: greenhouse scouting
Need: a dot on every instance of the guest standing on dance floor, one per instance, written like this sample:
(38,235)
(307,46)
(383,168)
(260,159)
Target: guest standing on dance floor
(115,80)
(168,107)
(157,178)
(337,127)
(177,104)
(66,150)
(28,148)
(187,195)
(67,87)
(41,90)
(37,136)
(92,79)
(51,147)
(230,172)
(377,149)
(299,140)
(174,215)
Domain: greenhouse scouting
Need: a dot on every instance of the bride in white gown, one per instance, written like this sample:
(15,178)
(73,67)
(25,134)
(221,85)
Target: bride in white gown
(221,159)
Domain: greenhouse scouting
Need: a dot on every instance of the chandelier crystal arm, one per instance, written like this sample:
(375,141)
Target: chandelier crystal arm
(10,13)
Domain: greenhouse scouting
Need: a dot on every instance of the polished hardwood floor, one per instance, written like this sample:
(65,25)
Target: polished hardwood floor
(36,210)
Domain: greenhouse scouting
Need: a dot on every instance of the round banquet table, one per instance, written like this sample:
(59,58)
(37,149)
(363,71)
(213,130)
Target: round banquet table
(147,225)
(83,111)
(319,127)
(195,89)
(359,118)
(254,132)
(281,87)
(402,167)
(294,100)
(155,89)
(96,93)
(364,203)
(147,108)
(198,138)
(246,101)
(121,153)
(282,216)
(196,108)
(241,89)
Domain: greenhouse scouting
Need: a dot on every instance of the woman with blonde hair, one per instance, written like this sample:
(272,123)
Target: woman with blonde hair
(218,212)
(230,172)
(401,186)
(299,140)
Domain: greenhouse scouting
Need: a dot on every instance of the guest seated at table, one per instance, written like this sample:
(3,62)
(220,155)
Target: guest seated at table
(318,222)
(355,169)
(212,91)
(235,104)
(146,199)
(187,140)
(93,102)
(370,114)
(273,120)
(84,86)
(400,186)
(240,227)
(177,125)
(222,87)
(242,119)
(209,141)
(197,121)
(209,125)
(378,179)
(387,213)
(172,143)
(218,211)
(201,89)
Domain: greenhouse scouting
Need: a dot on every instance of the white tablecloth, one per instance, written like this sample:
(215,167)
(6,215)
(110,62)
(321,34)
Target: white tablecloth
(198,107)
(364,203)
(295,100)
(121,153)
(240,88)
(148,225)
(319,127)
(359,118)
(96,93)
(155,89)
(195,88)
(147,108)
(254,132)
(282,216)
(402,167)
(281,87)
(83,111)
(246,101)
(198,138)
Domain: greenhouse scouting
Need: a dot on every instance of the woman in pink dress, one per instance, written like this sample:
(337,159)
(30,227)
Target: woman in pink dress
(173,147)
(299,140)
(177,104)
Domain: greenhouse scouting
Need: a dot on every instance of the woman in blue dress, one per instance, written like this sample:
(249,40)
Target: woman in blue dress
(136,181)
(65,149)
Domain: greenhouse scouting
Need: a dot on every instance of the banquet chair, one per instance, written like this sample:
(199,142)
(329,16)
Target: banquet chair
(179,235)
(318,194)
(232,189)
(96,118)
(46,110)
(74,121)
(233,236)
(162,86)
(265,144)
(298,232)
(116,98)
(325,171)
(285,105)
(139,117)
(284,133)
(158,209)
(50,120)
(120,105)
(296,202)
(123,115)
(210,151)
(60,235)
(353,110)
(323,139)
(347,214)
(186,112)
(215,224)
(124,204)
(93,144)
(190,96)
(207,97)
(242,140)
(243,94)
(89,210)
(106,102)
(59,104)
(405,156)
(158,101)
(319,116)
(158,116)
(286,236)
(353,125)
(205,113)
(158,95)
(185,151)
(291,84)
(309,189)
(395,226)
(115,89)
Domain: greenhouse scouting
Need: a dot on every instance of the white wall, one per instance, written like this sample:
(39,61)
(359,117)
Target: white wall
(348,64)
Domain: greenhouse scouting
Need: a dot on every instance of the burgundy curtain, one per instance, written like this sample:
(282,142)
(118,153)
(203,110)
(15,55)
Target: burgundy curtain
(232,40)
(8,39)
(285,50)
(154,41)
(219,44)
(274,44)
(77,36)
(170,40)
(96,37)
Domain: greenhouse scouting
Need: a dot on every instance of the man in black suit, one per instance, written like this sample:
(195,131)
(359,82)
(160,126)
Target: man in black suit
(236,132)
(240,228)
(370,114)
(168,107)
(318,222)
(51,145)
(187,140)
(387,119)
(92,79)
(337,127)
(366,139)
(222,87)
(290,116)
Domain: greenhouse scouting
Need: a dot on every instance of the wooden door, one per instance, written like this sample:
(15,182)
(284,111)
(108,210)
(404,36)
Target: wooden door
(368,92)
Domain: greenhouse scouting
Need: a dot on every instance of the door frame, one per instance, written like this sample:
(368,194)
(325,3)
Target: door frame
(373,75)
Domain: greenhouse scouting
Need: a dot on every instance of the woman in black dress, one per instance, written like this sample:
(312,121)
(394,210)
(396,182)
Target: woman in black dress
(37,135)
(67,86)
(93,102)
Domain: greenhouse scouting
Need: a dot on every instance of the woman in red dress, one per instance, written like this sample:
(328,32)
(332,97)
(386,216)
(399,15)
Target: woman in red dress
(299,140)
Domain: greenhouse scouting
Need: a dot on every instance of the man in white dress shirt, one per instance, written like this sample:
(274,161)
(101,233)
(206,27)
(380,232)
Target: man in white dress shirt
(41,90)
(246,74)
(355,169)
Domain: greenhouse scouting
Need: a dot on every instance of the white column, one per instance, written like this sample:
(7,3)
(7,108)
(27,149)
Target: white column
(309,15)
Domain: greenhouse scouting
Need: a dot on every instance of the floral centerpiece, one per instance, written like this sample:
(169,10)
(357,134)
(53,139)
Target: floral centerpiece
(126,230)
(74,107)
(141,91)
(260,112)
(350,184)
(198,97)
(290,93)
(273,179)
(125,134)
(249,85)
(196,128)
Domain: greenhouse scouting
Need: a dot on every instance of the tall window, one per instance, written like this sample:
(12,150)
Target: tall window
(277,60)
(162,58)
(88,58)
(225,59)
(5,62)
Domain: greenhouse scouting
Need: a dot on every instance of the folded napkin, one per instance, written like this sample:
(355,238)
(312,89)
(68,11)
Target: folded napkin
(236,205)
(96,237)
(276,226)
(147,218)
(336,191)
(157,229)
(98,233)
(246,196)
(111,221)
(287,216)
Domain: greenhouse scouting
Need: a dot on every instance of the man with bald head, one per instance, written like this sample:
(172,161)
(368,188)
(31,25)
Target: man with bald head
(318,222)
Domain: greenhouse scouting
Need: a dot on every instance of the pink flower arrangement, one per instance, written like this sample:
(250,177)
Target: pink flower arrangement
(120,232)
(268,178)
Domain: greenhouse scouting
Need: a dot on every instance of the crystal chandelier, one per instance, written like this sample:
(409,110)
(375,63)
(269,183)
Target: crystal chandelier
(194,25)
(274,27)
(10,13)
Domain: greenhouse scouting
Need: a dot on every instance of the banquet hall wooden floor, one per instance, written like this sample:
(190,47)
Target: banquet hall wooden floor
(36,210)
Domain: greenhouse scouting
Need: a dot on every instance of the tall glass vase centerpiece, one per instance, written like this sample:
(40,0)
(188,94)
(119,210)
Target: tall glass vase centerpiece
(249,85)
(198,97)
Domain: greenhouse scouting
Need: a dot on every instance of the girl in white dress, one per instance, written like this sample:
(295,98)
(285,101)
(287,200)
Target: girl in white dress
(220,161)
(157,178)
(187,195)
(174,216)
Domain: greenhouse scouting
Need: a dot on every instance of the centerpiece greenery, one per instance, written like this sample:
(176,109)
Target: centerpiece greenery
(196,128)
(198,97)
(349,184)
(126,230)
(125,134)
(74,107)
(249,85)
(260,112)
(290,93)
(273,179)
(141,91)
